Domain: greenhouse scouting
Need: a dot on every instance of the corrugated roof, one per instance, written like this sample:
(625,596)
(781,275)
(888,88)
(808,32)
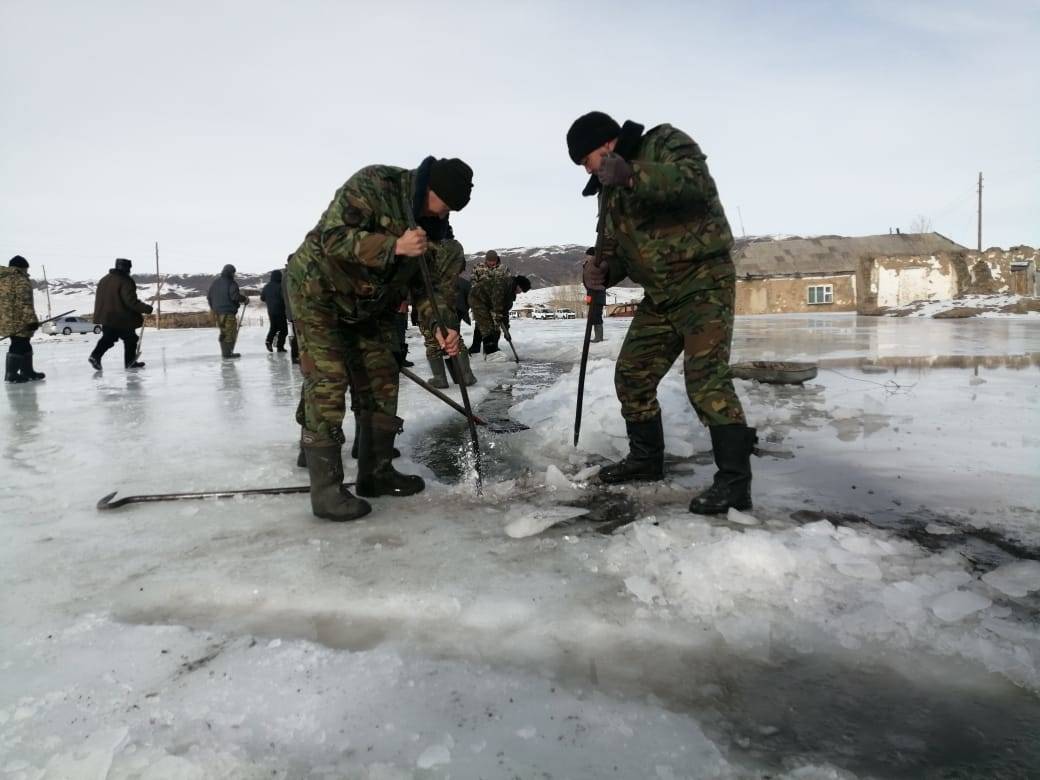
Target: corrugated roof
(832,254)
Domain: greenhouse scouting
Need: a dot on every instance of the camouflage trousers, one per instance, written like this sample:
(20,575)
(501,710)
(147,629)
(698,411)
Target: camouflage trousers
(228,326)
(337,357)
(700,327)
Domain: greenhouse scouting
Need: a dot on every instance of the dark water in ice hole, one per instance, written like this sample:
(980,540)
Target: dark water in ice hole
(867,719)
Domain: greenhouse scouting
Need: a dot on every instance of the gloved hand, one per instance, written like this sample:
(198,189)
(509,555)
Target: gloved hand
(614,170)
(150,309)
(593,276)
(243,301)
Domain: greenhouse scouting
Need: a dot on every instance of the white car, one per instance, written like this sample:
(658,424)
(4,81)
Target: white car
(68,325)
(566,314)
(543,314)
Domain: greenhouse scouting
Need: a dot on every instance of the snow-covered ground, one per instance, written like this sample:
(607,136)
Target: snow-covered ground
(971,306)
(875,615)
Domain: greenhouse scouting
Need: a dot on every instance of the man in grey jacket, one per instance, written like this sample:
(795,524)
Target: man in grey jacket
(224,299)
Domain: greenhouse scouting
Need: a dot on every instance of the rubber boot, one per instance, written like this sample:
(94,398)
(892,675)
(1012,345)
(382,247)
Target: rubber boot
(225,351)
(376,473)
(27,369)
(645,459)
(731,488)
(357,438)
(474,348)
(467,372)
(136,364)
(13,369)
(597,334)
(439,379)
(270,348)
(301,458)
(330,499)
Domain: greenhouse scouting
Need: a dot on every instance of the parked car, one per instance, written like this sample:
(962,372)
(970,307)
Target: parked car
(566,314)
(544,314)
(68,325)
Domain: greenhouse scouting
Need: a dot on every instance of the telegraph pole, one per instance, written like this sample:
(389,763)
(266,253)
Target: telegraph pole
(158,288)
(980,211)
(47,289)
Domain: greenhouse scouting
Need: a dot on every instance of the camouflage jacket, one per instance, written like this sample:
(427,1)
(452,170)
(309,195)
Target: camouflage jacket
(668,232)
(491,297)
(16,303)
(349,255)
(481,272)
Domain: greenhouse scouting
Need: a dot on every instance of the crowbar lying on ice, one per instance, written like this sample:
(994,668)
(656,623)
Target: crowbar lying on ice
(107,503)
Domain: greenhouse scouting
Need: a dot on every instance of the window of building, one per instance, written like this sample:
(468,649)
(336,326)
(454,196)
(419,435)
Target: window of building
(821,293)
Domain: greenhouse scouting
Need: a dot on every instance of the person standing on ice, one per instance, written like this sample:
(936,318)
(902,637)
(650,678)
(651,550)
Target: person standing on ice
(278,327)
(491,296)
(118,311)
(346,281)
(18,320)
(224,299)
(491,267)
(450,259)
(664,226)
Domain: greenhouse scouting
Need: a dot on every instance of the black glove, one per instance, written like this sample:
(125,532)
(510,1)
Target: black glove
(149,307)
(593,276)
(614,170)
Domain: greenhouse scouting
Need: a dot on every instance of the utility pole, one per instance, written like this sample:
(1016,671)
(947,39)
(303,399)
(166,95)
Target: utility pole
(980,211)
(47,289)
(158,288)
(741,216)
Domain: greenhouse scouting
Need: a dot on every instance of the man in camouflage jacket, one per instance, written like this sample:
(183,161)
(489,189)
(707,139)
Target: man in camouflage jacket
(491,267)
(449,260)
(491,297)
(18,320)
(664,226)
(346,281)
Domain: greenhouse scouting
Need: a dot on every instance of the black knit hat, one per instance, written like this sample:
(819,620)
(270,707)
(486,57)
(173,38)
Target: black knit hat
(491,255)
(18,262)
(122,264)
(522,282)
(590,132)
(591,251)
(452,180)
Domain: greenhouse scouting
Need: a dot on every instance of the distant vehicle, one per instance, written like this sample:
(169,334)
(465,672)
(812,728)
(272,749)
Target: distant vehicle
(566,314)
(543,314)
(69,325)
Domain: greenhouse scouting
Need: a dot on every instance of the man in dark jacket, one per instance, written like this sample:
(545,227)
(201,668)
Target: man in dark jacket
(272,296)
(18,320)
(118,311)
(224,300)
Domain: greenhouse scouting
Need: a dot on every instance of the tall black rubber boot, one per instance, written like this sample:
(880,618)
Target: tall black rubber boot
(376,473)
(731,488)
(354,448)
(27,369)
(645,459)
(467,372)
(13,369)
(440,379)
(597,334)
(225,350)
(330,499)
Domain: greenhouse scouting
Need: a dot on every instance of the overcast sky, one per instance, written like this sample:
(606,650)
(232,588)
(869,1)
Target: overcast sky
(222,129)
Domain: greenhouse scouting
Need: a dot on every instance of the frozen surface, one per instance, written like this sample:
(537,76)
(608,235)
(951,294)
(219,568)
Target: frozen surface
(874,615)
